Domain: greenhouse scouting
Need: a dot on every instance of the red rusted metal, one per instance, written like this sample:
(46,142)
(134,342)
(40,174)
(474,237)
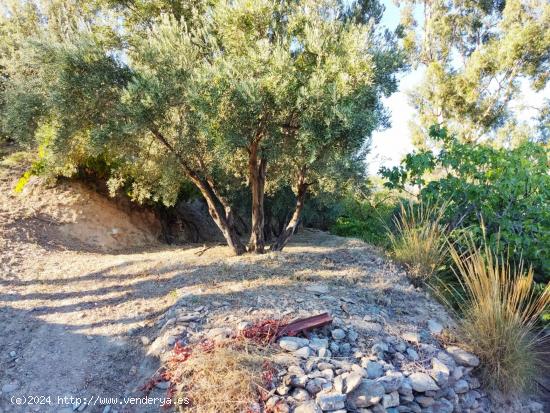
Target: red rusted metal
(304,324)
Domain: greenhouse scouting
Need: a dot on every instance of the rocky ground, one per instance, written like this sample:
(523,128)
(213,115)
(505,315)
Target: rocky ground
(94,325)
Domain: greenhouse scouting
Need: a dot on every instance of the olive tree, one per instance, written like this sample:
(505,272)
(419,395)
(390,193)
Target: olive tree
(228,94)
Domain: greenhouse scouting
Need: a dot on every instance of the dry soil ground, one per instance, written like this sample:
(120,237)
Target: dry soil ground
(73,315)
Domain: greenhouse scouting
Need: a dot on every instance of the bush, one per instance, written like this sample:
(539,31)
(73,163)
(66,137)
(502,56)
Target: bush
(499,311)
(366,219)
(509,188)
(418,240)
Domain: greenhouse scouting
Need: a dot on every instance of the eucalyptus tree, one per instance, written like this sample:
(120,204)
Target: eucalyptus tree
(478,57)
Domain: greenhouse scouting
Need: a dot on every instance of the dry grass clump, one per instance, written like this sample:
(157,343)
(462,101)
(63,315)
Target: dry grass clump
(418,240)
(499,312)
(228,378)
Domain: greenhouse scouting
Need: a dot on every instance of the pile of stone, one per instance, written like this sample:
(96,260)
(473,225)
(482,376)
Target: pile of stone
(396,374)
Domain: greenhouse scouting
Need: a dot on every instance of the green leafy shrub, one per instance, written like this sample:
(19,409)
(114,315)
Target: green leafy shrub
(509,188)
(366,219)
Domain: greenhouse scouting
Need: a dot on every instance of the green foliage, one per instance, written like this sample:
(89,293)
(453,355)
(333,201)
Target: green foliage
(478,57)
(508,189)
(186,93)
(367,219)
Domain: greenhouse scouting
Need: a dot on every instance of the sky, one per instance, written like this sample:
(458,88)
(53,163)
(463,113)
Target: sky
(389,146)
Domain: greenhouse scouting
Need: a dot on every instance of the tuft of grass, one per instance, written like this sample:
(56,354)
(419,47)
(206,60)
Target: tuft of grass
(499,310)
(227,378)
(418,240)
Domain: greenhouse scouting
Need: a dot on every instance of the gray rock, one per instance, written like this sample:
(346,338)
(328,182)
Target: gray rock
(283,390)
(421,382)
(353,336)
(424,401)
(406,388)
(380,347)
(440,372)
(474,383)
(378,408)
(219,333)
(390,400)
(328,374)
(434,327)
(413,407)
(535,407)
(468,400)
(345,348)
(303,352)
(412,354)
(338,334)
(300,394)
(462,357)
(188,318)
(331,401)
(352,381)
(295,370)
(324,365)
(368,326)
(411,337)
(339,383)
(442,406)
(299,381)
(315,385)
(447,360)
(324,353)
(367,394)
(318,343)
(10,387)
(293,343)
(457,373)
(374,369)
(391,381)
(461,386)
(308,407)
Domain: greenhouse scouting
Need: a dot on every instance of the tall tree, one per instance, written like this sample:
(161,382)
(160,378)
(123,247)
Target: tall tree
(296,90)
(477,56)
(240,93)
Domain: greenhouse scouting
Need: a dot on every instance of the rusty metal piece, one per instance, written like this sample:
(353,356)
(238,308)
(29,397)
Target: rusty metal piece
(304,324)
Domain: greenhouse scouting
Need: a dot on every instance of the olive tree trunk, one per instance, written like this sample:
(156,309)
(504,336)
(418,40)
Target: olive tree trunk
(218,208)
(290,228)
(257,173)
